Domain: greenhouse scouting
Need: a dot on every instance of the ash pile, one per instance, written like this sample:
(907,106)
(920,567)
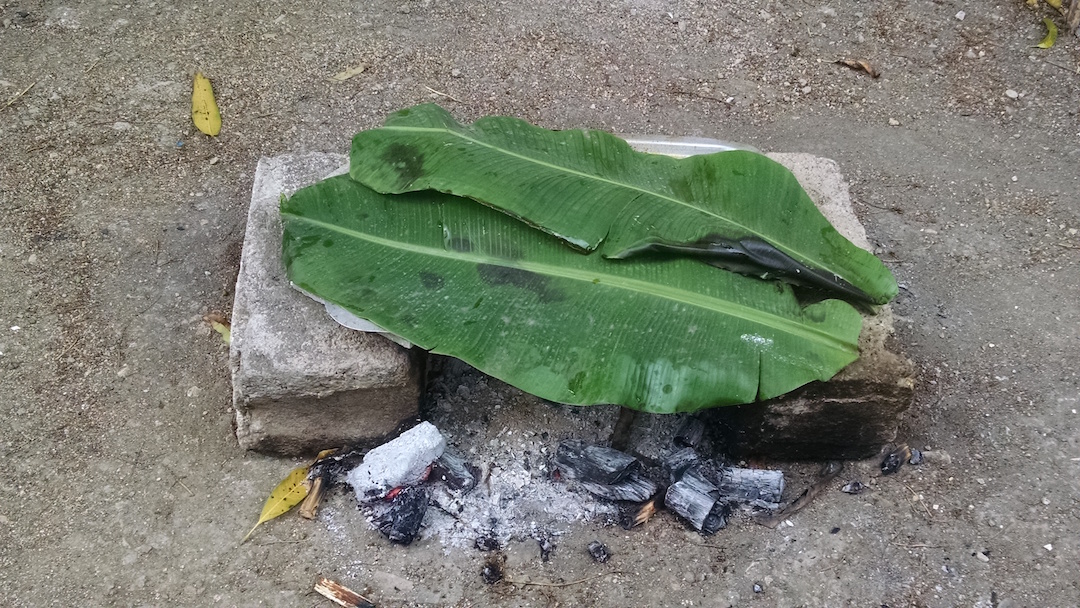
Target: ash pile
(485,478)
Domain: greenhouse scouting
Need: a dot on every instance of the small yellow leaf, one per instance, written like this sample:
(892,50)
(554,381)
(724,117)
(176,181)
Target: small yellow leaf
(220,325)
(1054,3)
(285,496)
(349,73)
(1051,34)
(204,110)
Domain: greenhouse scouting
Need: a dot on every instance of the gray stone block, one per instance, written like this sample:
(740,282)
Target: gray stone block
(302,382)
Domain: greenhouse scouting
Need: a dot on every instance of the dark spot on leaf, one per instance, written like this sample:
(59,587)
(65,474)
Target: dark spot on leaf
(667,389)
(406,161)
(430,280)
(328,243)
(522,279)
(575,383)
(460,243)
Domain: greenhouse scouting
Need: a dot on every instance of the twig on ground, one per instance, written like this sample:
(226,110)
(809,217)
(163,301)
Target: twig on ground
(566,584)
(440,93)
(1075,70)
(18,95)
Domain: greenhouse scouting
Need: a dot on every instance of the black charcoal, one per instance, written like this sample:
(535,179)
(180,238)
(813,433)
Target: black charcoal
(854,487)
(895,459)
(402,521)
(492,572)
(695,477)
(758,487)
(546,546)
(916,457)
(717,518)
(634,488)
(593,463)
(458,474)
(599,552)
(690,433)
(686,500)
(678,462)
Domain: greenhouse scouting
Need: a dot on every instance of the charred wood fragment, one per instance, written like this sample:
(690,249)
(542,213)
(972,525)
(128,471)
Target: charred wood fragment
(758,487)
(599,552)
(634,488)
(690,433)
(594,464)
(686,499)
(402,521)
(458,474)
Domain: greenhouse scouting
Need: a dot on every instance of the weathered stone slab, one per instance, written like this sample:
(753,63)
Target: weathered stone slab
(856,412)
(301,381)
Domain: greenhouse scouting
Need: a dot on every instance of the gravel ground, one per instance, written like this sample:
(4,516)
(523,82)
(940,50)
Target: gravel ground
(122,227)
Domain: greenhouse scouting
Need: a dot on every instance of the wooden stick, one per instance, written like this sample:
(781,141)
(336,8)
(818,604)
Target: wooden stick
(447,95)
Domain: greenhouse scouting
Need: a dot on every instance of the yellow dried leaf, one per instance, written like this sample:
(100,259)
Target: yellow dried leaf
(344,75)
(220,325)
(1051,34)
(1054,3)
(204,110)
(285,496)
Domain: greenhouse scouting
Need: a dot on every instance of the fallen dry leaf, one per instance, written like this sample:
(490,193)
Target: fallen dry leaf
(285,496)
(220,325)
(1051,34)
(204,110)
(859,64)
(344,75)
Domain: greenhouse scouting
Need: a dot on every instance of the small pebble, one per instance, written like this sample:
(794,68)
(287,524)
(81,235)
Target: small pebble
(213,161)
(894,123)
(982,557)
(121,125)
(1048,546)
(1011,94)
(455,73)
(960,15)
(758,588)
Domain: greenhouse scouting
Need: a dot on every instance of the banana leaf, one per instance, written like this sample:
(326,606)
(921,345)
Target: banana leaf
(592,190)
(461,279)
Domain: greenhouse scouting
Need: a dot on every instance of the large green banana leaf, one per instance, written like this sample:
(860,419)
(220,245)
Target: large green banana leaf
(464,280)
(592,190)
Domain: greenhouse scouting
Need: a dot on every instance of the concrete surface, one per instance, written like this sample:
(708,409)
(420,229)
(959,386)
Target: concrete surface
(121,226)
(302,382)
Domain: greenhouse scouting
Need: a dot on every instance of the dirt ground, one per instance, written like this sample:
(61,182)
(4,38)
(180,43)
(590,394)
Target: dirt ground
(122,226)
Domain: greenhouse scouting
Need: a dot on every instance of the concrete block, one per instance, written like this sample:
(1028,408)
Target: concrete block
(301,381)
(856,412)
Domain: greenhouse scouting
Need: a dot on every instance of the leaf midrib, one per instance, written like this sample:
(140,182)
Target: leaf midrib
(633,285)
(738,226)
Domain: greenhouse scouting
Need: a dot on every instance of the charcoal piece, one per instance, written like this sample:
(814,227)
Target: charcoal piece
(854,487)
(492,571)
(402,522)
(599,552)
(916,457)
(634,488)
(758,487)
(695,477)
(717,518)
(593,463)
(487,542)
(758,588)
(678,462)
(895,459)
(686,500)
(458,474)
(690,433)
(546,546)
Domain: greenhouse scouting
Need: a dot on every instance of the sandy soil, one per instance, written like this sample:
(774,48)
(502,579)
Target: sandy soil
(122,226)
